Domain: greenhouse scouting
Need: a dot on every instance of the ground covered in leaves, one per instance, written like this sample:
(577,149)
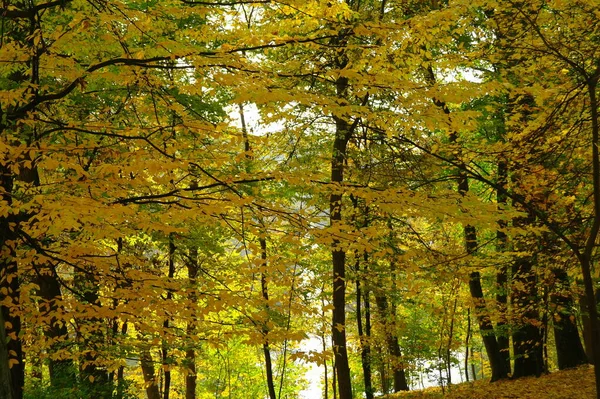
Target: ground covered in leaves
(568,384)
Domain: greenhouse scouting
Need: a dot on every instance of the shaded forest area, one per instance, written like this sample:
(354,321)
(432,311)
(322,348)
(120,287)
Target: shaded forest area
(190,191)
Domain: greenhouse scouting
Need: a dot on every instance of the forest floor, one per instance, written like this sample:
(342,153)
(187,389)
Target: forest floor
(567,384)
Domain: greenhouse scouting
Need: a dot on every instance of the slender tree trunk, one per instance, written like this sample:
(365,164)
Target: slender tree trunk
(334,382)
(468,336)
(367,302)
(324,343)
(365,349)
(385,383)
(364,344)
(263,276)
(265,330)
(450,338)
(502,276)
(190,353)
(488,336)
(121,370)
(342,135)
(164,347)
(473,371)
(400,382)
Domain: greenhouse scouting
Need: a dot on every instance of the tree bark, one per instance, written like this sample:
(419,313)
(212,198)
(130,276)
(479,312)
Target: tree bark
(585,258)
(400,382)
(497,363)
(164,346)
(338,157)
(365,352)
(93,376)
(190,353)
(265,329)
(527,339)
(152,391)
(569,349)
(502,275)
(6,385)
(10,288)
(62,371)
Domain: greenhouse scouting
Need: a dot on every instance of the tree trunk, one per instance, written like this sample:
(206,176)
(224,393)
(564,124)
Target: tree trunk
(400,382)
(497,362)
(265,330)
(585,259)
(190,353)
(164,347)
(502,275)
(10,289)
(487,331)
(468,336)
(527,337)
(338,157)
(593,316)
(62,371)
(93,376)
(365,354)
(566,335)
(121,371)
(6,386)
(148,373)
(324,347)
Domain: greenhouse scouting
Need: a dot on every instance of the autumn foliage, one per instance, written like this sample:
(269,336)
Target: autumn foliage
(193,191)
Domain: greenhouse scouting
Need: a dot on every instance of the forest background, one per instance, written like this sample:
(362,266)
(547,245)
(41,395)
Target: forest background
(420,188)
